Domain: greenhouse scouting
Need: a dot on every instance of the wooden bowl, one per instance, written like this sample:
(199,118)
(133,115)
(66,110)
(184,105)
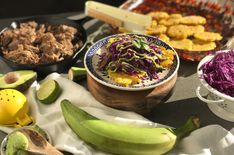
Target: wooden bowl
(141,102)
(140,98)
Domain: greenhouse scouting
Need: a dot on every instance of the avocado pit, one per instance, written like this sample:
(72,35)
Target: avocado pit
(11,77)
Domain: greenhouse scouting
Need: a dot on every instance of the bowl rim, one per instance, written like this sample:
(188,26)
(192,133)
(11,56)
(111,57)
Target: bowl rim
(203,81)
(131,88)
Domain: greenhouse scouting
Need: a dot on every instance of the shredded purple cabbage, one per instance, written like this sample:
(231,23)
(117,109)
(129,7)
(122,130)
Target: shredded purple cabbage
(133,55)
(219,72)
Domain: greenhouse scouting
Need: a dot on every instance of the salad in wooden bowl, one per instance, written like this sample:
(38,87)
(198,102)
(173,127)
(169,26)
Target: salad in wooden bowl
(131,71)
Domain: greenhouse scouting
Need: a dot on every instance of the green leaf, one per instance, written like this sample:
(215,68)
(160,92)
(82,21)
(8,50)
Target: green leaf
(136,44)
(146,46)
(140,44)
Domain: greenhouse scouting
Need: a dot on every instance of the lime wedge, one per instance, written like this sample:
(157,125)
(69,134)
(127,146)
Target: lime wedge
(48,92)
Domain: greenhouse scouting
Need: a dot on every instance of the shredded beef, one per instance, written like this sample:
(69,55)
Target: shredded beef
(22,55)
(33,43)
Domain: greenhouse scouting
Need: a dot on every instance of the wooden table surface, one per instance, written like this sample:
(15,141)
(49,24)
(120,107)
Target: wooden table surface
(180,104)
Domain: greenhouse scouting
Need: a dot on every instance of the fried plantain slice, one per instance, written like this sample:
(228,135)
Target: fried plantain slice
(184,44)
(196,29)
(207,36)
(175,15)
(193,20)
(202,46)
(158,15)
(164,38)
(156,30)
(170,21)
(179,31)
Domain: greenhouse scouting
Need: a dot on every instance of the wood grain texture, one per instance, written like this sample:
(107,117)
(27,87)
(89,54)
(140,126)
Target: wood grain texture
(142,102)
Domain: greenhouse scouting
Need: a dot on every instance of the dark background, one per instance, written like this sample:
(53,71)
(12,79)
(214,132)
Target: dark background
(22,8)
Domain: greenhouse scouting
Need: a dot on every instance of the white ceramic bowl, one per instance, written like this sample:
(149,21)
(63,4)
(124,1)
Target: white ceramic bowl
(219,103)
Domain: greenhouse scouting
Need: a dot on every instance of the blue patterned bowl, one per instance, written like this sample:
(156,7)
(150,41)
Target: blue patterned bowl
(142,97)
(93,54)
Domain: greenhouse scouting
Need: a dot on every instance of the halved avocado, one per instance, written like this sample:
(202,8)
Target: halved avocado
(19,80)
(16,141)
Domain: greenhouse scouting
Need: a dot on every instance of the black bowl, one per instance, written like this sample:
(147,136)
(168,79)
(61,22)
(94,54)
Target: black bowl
(59,66)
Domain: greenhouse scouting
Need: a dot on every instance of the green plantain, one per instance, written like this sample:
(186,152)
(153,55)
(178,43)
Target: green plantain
(123,139)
